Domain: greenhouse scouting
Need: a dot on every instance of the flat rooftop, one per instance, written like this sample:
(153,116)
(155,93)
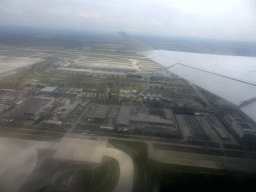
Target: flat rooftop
(168,114)
(195,126)
(48,89)
(124,116)
(143,118)
(101,112)
(53,122)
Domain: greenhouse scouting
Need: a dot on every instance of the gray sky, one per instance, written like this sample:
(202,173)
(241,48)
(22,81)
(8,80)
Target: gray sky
(221,19)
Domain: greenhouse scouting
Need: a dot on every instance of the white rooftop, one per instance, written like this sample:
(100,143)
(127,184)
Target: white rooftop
(49,89)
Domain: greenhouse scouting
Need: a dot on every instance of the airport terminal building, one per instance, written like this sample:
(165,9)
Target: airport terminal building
(60,92)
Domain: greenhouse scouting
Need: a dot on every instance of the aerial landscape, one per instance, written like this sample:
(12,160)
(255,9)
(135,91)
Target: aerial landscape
(96,109)
(103,111)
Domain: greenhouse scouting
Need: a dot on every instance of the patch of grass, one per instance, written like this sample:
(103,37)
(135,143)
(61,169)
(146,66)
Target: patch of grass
(39,120)
(81,128)
(30,134)
(105,177)
(112,99)
(199,180)
(94,88)
(185,91)
(209,96)
(36,137)
(240,154)
(162,91)
(205,151)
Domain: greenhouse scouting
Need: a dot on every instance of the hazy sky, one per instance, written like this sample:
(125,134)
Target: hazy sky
(221,19)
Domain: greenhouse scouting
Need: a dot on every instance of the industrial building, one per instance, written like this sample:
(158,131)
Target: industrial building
(160,77)
(179,103)
(92,72)
(151,97)
(195,127)
(107,67)
(152,119)
(64,102)
(52,124)
(238,127)
(168,114)
(217,127)
(249,137)
(124,94)
(224,104)
(60,92)
(100,112)
(29,109)
(67,109)
(108,128)
(124,116)
(162,131)
(47,91)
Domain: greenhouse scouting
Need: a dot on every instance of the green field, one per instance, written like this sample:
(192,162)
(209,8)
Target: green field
(81,128)
(31,134)
(241,154)
(206,151)
(175,177)
(105,177)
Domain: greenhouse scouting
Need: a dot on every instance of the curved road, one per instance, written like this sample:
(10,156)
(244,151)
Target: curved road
(125,183)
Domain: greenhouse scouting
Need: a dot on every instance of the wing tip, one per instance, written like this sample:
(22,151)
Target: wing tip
(137,45)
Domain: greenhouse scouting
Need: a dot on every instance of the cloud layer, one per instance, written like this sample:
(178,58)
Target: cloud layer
(221,19)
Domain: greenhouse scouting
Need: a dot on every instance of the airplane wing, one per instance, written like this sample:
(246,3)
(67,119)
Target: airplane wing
(232,78)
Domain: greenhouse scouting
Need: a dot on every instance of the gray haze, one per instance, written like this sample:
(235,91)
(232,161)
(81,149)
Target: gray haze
(218,19)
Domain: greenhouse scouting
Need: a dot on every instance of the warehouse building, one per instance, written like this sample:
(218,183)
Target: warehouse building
(124,94)
(66,110)
(144,118)
(153,97)
(224,104)
(155,125)
(168,114)
(60,92)
(124,116)
(109,67)
(162,131)
(52,124)
(92,72)
(196,128)
(100,112)
(238,127)
(249,138)
(47,91)
(29,109)
(217,127)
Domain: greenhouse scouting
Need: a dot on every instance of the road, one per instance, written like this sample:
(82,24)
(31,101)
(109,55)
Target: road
(200,94)
(139,94)
(107,91)
(76,122)
(125,182)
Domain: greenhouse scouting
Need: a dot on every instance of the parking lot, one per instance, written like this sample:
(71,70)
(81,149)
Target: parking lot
(74,115)
(89,110)
(112,114)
